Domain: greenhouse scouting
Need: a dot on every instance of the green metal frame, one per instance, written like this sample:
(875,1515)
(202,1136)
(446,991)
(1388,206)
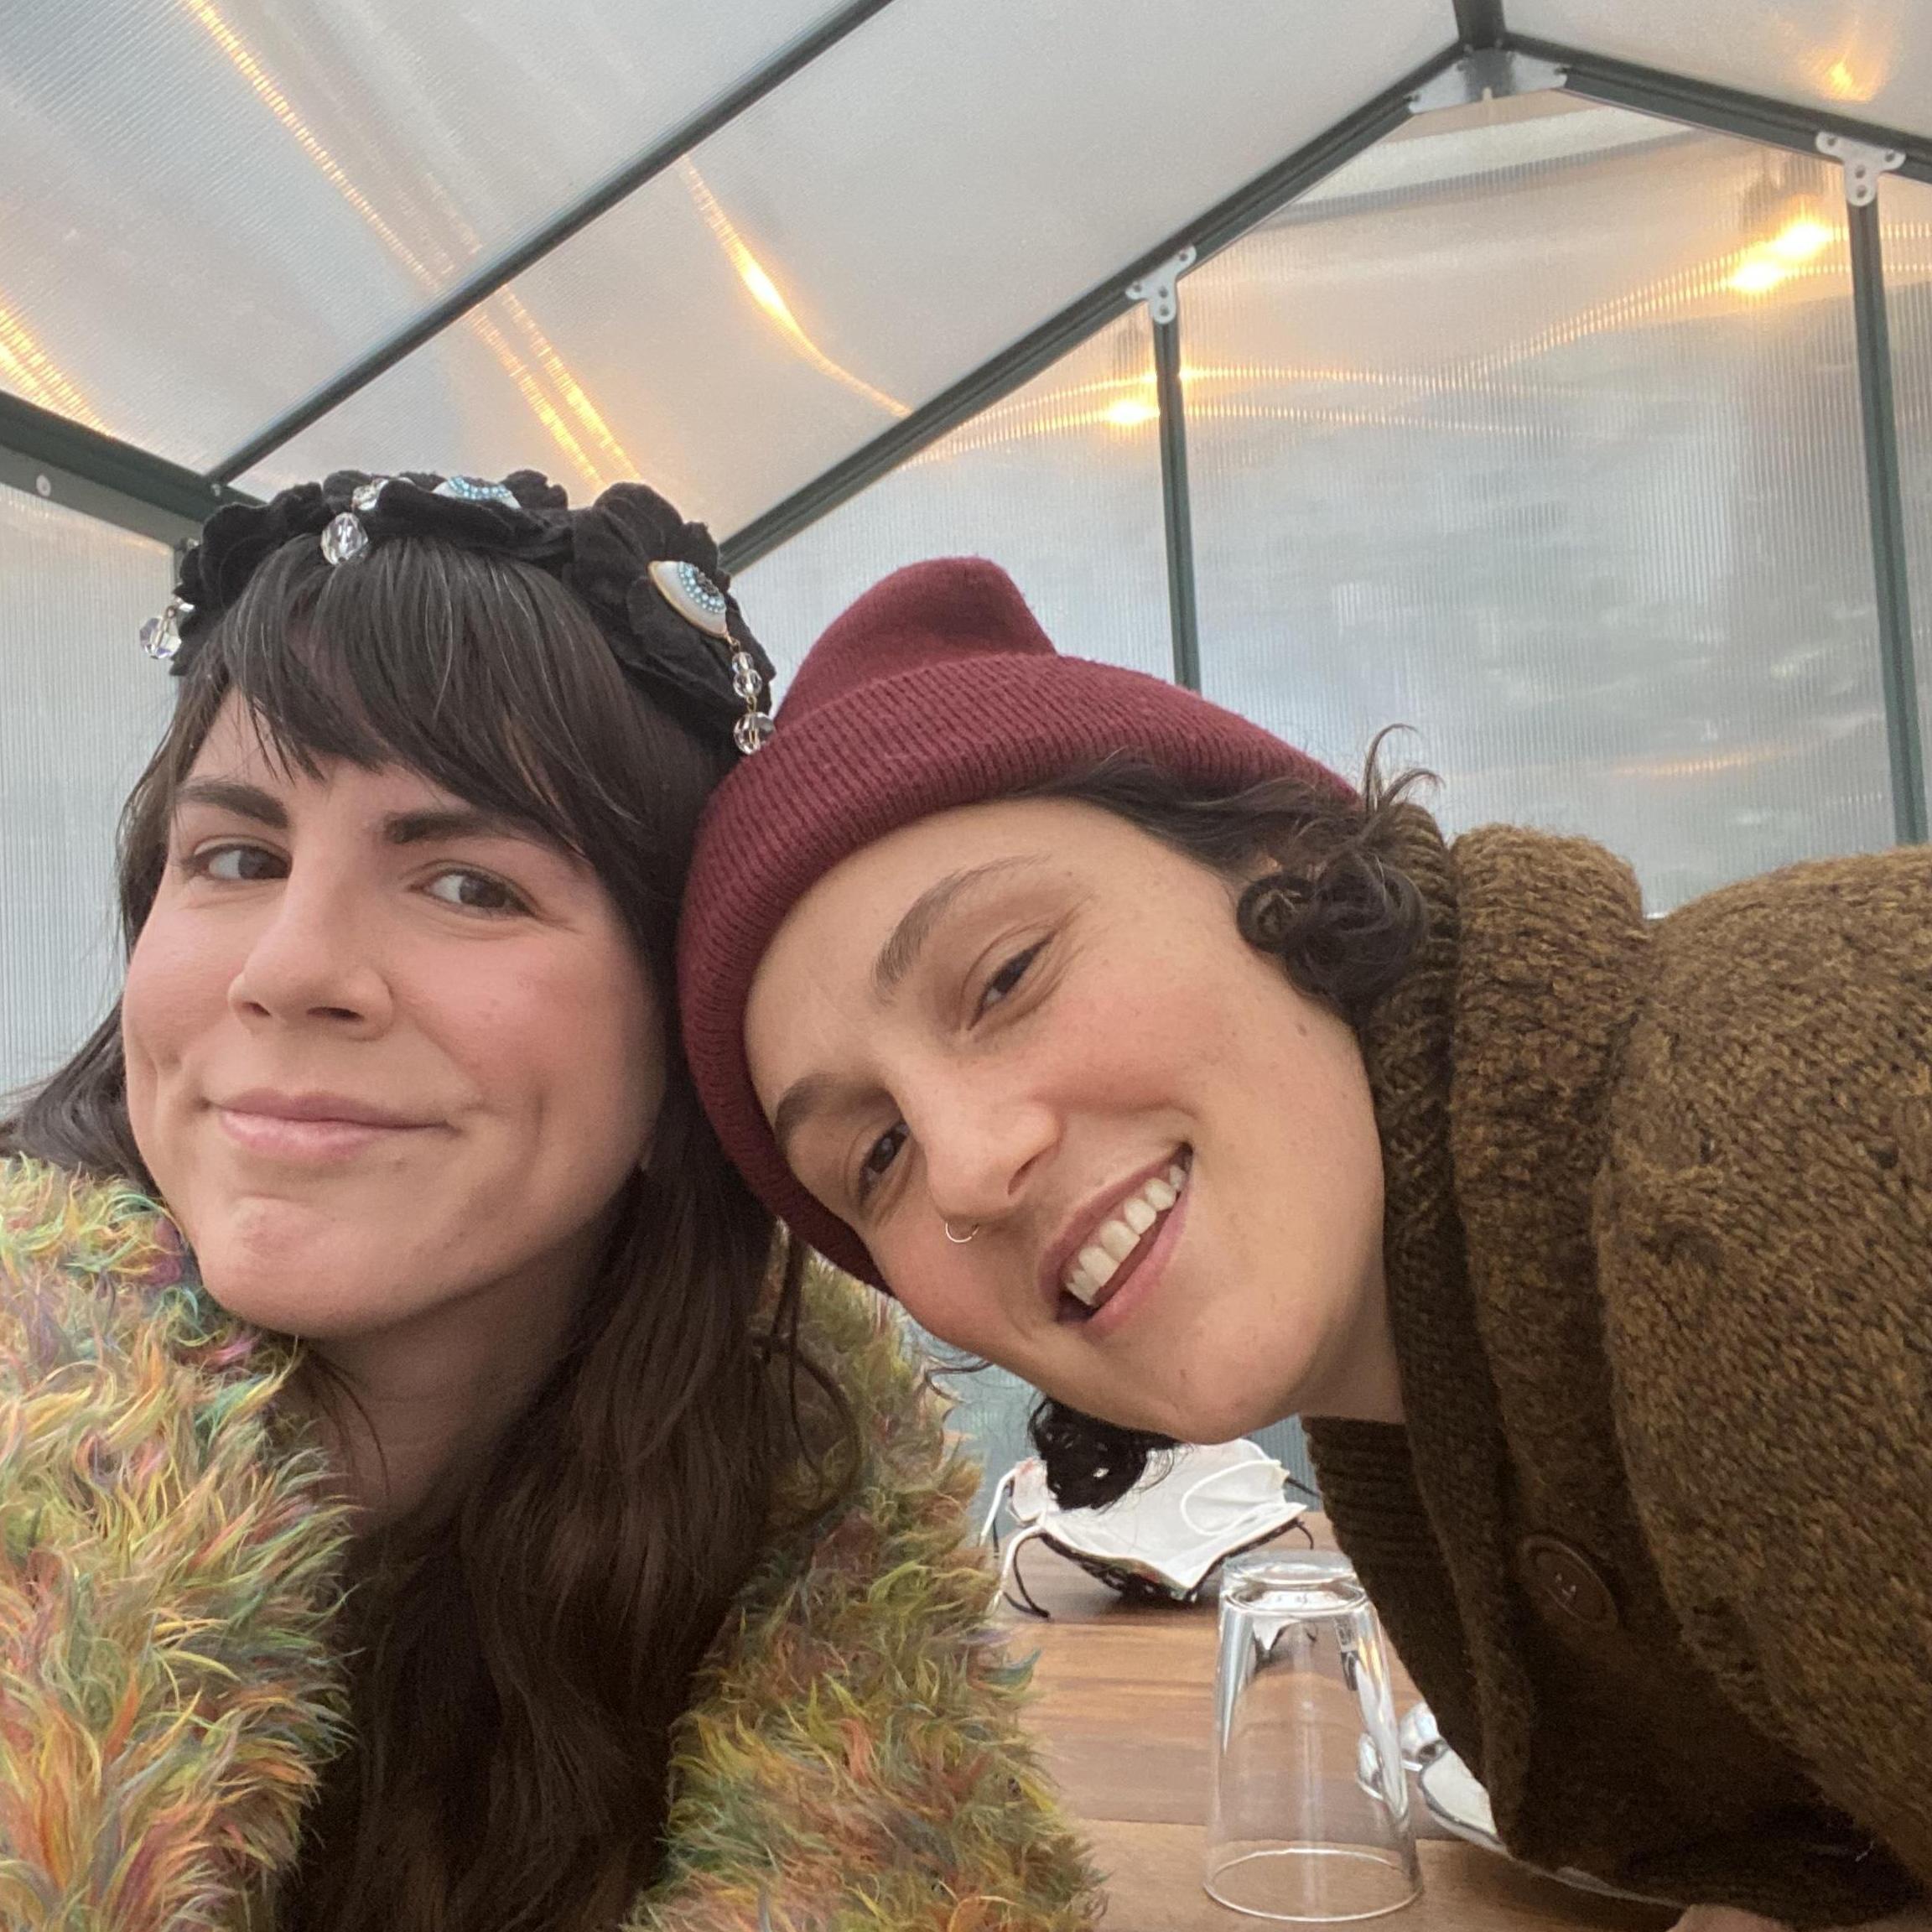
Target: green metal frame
(1213,229)
(1176,504)
(1885,496)
(60,461)
(1722,110)
(772,73)
(65,463)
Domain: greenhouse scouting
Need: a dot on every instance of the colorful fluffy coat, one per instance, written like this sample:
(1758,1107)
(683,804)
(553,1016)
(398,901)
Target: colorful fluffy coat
(852,1760)
(1656,1539)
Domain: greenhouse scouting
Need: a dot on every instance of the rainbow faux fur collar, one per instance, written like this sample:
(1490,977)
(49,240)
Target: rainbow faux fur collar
(853,1760)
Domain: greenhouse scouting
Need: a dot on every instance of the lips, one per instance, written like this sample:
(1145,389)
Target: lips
(1106,1244)
(311,1128)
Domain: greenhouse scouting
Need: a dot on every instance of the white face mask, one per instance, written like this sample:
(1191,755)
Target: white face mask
(1198,1505)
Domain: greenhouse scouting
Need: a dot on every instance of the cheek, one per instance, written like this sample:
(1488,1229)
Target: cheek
(575,1043)
(175,993)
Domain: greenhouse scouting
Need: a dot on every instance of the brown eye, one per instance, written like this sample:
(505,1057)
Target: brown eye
(879,1157)
(1008,976)
(238,865)
(475,892)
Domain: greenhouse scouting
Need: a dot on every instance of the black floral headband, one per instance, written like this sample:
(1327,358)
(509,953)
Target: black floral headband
(652,580)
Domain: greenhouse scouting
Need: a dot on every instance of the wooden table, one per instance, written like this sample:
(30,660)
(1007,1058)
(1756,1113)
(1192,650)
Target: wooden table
(1122,1718)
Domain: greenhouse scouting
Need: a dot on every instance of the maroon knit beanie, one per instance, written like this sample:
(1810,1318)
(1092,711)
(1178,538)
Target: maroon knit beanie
(937,689)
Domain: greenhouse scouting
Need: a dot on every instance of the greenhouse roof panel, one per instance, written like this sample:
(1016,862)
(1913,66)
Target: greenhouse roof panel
(232,200)
(1868,59)
(903,209)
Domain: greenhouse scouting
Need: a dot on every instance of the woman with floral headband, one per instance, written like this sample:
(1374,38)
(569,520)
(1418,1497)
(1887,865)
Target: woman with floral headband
(412,1513)
(1136,1051)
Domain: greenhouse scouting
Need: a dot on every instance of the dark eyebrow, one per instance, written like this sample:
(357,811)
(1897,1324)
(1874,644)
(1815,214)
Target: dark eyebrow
(814,1092)
(399,828)
(228,795)
(901,952)
(454,821)
(801,1098)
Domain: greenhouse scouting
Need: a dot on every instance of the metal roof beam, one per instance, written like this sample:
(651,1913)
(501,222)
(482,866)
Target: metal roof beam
(1723,110)
(715,114)
(67,462)
(1479,23)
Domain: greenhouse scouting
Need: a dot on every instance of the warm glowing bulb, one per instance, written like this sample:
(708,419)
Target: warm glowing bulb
(763,289)
(1843,82)
(1757,276)
(1800,240)
(1129,413)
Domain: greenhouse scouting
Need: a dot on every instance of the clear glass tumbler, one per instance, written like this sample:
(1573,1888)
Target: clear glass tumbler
(1311,1819)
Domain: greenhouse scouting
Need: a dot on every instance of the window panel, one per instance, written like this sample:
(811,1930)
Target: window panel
(1060,484)
(83,709)
(1538,430)
(919,197)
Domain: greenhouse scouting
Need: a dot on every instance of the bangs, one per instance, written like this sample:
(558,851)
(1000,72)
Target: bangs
(481,674)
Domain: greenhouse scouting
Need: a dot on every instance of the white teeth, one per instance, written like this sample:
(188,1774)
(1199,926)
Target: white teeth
(1100,1265)
(1116,1238)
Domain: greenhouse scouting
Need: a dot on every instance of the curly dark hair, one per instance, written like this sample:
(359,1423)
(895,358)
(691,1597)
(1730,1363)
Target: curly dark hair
(1333,907)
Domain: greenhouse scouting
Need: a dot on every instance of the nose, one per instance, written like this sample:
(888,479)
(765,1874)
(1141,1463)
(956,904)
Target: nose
(312,961)
(982,1144)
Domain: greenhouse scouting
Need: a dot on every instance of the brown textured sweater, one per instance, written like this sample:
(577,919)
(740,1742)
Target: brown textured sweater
(1655,1540)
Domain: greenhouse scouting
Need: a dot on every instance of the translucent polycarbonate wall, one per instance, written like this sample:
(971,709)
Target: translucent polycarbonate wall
(1538,430)
(1905,209)
(902,210)
(233,200)
(1868,59)
(1060,484)
(83,710)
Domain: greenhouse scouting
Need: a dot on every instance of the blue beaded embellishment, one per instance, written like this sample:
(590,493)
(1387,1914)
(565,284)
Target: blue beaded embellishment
(476,490)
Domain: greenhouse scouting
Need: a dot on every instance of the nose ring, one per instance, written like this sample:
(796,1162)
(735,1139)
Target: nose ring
(958,1240)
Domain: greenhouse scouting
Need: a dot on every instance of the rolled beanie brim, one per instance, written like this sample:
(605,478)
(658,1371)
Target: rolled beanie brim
(884,754)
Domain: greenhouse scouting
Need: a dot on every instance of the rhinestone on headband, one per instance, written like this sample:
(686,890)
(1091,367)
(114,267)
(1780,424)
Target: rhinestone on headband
(344,539)
(476,490)
(693,596)
(161,636)
(367,496)
(753,732)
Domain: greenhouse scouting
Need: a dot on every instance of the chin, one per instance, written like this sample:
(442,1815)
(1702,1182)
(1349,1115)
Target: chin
(287,1272)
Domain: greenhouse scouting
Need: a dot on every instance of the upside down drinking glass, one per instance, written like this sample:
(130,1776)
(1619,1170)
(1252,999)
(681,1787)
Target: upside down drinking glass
(1311,1818)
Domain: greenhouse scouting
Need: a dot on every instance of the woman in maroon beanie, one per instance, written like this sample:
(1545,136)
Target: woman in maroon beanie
(1136,1051)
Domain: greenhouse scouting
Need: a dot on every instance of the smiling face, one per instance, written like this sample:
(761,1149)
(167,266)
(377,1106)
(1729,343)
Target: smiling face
(385,1057)
(1032,1020)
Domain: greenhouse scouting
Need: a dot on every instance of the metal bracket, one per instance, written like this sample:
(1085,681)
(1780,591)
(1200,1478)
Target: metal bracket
(1490,73)
(1159,287)
(1863,163)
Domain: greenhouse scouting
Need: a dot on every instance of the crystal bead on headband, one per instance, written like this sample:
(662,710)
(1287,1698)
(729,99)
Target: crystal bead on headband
(344,539)
(161,635)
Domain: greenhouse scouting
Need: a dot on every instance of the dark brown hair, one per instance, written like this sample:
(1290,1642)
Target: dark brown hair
(520,1646)
(1322,893)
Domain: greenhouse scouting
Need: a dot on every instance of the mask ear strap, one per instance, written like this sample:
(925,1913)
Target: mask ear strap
(1257,1454)
(1011,1579)
(1002,1495)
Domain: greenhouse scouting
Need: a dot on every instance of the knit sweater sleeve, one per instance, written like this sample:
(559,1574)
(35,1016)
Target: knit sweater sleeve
(1765,1233)
(165,1688)
(854,1758)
